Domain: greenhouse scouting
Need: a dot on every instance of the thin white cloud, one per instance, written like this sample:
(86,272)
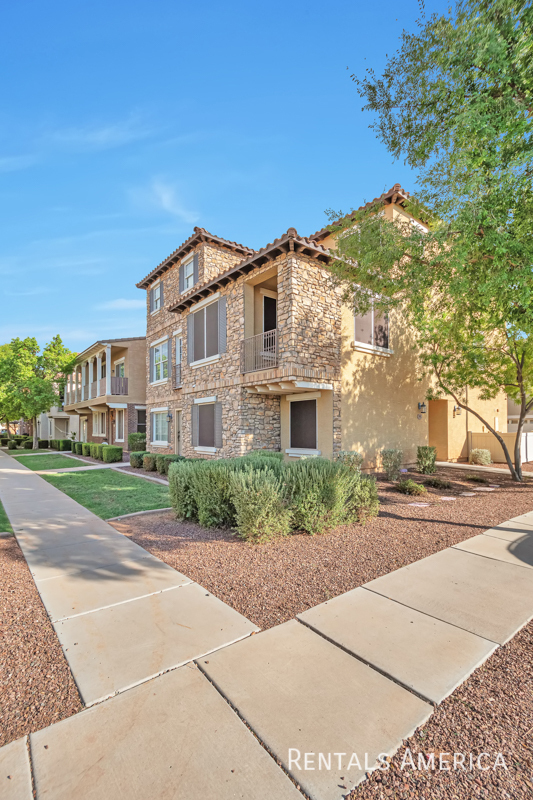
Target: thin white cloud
(101,136)
(121,304)
(164,196)
(35,291)
(16,163)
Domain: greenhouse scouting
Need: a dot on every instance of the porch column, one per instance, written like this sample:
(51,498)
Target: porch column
(108,369)
(91,372)
(98,371)
(77,373)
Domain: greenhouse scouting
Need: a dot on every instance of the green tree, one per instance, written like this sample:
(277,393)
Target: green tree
(32,380)
(456,102)
(10,407)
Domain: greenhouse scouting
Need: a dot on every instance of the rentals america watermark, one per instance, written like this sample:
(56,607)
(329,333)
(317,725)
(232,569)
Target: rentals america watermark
(442,761)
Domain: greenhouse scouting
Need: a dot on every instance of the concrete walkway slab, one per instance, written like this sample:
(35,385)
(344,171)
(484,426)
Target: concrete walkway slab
(428,656)
(69,595)
(118,647)
(510,532)
(174,737)
(50,562)
(487,597)
(15,772)
(517,551)
(301,694)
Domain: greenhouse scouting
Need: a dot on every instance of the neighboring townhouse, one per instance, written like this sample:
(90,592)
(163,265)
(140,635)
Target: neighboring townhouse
(513,417)
(254,349)
(107,390)
(57,424)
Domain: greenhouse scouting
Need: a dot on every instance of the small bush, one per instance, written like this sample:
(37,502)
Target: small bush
(3,441)
(136,458)
(100,451)
(476,479)
(112,454)
(409,486)
(480,456)
(268,454)
(181,496)
(64,444)
(28,444)
(426,458)
(350,459)
(136,442)
(11,445)
(363,503)
(149,462)
(94,450)
(438,483)
(79,448)
(260,510)
(162,463)
(211,487)
(392,461)
(43,444)
(86,448)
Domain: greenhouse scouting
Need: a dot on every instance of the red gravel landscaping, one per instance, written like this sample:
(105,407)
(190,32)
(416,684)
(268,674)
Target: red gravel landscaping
(272,583)
(36,685)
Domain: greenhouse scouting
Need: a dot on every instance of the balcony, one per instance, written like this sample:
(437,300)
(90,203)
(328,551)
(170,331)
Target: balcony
(119,385)
(260,352)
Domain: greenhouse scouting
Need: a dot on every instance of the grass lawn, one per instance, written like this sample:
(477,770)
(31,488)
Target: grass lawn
(108,493)
(53,461)
(5,525)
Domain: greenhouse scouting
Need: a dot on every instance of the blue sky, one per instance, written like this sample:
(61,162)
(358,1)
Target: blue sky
(125,124)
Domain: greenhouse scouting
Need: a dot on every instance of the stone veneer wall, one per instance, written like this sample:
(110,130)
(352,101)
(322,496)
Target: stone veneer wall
(309,325)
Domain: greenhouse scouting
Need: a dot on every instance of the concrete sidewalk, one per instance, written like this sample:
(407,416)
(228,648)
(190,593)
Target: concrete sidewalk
(355,675)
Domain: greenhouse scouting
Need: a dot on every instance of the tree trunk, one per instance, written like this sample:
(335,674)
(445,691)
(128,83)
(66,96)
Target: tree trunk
(35,436)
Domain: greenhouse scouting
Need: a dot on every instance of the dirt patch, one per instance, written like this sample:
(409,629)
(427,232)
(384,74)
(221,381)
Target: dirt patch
(36,685)
(272,583)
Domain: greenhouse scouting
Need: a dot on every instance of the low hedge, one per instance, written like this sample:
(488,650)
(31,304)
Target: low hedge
(78,448)
(136,458)
(94,450)
(11,445)
(43,444)
(149,462)
(136,442)
(111,453)
(65,444)
(163,462)
(27,444)
(86,448)
(263,497)
(3,441)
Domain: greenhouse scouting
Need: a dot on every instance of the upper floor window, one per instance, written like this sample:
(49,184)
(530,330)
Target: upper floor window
(156,297)
(206,331)
(188,273)
(159,362)
(120,370)
(372,329)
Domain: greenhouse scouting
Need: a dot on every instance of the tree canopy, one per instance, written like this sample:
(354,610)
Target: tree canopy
(456,102)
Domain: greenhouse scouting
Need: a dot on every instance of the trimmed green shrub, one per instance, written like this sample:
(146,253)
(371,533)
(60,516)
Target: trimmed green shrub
(3,441)
(78,448)
(28,444)
(181,496)
(476,479)
(93,450)
(64,444)
(425,459)
(43,444)
(112,454)
(100,451)
(391,458)
(438,483)
(136,458)
(350,459)
(409,486)
(136,442)
(149,463)
(163,462)
(480,456)
(210,484)
(261,513)
(86,448)
(11,445)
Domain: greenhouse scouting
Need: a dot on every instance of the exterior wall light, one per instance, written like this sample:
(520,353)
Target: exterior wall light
(457,411)
(422,408)
(169,417)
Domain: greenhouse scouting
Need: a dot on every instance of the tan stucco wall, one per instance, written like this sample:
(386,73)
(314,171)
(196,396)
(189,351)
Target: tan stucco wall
(324,413)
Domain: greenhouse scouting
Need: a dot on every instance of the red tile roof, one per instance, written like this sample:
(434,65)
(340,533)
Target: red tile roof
(394,195)
(199,235)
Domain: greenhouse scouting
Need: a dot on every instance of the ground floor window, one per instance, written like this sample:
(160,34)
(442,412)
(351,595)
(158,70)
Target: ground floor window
(141,420)
(99,423)
(303,425)
(207,424)
(119,433)
(160,427)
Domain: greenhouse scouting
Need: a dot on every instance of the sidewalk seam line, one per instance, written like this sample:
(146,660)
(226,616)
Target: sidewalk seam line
(490,558)
(30,759)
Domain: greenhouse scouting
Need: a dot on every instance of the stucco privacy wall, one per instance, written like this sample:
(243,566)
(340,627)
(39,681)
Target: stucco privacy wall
(449,430)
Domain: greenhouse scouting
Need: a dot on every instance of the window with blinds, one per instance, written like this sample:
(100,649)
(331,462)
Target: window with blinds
(206,331)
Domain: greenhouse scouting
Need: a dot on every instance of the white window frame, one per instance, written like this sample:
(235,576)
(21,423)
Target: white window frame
(205,401)
(188,276)
(158,349)
(120,413)
(157,297)
(298,452)
(99,423)
(201,306)
(158,412)
(178,349)
(365,347)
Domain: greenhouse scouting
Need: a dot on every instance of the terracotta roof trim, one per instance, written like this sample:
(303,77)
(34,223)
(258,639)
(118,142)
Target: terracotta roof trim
(199,235)
(392,196)
(289,242)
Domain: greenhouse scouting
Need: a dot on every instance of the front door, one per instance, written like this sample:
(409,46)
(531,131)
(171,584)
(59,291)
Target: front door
(84,429)
(178,433)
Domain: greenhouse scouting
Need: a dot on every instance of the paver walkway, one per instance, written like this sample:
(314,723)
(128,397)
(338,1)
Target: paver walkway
(355,675)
